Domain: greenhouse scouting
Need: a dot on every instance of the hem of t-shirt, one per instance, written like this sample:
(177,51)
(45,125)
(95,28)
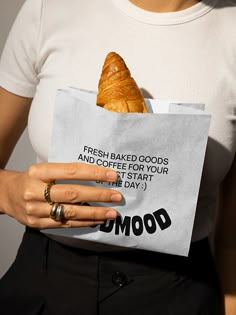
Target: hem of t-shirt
(16,87)
(165,18)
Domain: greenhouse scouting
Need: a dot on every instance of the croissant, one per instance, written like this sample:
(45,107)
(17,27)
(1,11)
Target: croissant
(117,90)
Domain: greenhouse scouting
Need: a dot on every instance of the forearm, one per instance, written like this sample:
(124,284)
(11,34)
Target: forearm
(13,120)
(230,304)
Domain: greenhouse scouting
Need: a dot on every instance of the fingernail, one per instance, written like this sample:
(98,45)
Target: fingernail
(116,197)
(112,214)
(111,176)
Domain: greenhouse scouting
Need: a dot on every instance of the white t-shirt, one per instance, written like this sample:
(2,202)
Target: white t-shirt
(187,56)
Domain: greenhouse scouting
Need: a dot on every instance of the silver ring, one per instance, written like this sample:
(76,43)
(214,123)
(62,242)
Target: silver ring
(59,213)
(53,210)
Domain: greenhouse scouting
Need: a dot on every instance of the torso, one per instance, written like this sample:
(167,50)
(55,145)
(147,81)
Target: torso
(189,57)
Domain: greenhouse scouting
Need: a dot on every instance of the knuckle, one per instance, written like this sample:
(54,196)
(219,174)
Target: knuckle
(32,222)
(33,170)
(104,195)
(70,169)
(28,194)
(29,209)
(69,213)
(71,195)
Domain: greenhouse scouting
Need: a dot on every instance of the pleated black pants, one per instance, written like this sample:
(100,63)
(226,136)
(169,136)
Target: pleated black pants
(49,278)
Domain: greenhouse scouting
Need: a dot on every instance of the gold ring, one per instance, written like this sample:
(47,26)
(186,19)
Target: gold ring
(47,193)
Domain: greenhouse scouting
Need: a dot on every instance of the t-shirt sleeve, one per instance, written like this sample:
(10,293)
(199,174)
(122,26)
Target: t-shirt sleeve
(18,63)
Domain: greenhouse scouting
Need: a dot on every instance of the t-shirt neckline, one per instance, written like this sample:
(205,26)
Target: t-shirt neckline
(167,18)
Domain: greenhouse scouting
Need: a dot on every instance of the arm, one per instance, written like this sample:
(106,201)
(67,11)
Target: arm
(14,111)
(226,240)
(22,193)
(13,122)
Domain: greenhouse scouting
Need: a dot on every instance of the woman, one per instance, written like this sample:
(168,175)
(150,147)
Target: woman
(188,53)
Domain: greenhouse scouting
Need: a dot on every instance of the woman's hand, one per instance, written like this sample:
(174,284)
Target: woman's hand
(24,194)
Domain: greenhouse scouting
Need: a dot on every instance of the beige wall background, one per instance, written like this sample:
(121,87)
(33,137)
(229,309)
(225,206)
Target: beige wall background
(11,231)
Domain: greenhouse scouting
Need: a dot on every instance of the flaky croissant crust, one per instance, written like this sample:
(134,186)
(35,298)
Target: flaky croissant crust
(117,90)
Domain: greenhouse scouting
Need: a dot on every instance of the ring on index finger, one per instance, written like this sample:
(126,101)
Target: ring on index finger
(47,196)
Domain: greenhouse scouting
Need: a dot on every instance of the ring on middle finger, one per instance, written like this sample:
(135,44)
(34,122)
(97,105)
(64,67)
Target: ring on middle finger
(47,196)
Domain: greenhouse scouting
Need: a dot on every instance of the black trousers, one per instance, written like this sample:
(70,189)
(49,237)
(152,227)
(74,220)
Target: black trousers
(49,278)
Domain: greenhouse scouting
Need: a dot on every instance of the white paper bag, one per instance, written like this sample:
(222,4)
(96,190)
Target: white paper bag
(159,156)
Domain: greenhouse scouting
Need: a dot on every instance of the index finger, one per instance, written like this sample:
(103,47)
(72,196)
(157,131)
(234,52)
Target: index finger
(49,172)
